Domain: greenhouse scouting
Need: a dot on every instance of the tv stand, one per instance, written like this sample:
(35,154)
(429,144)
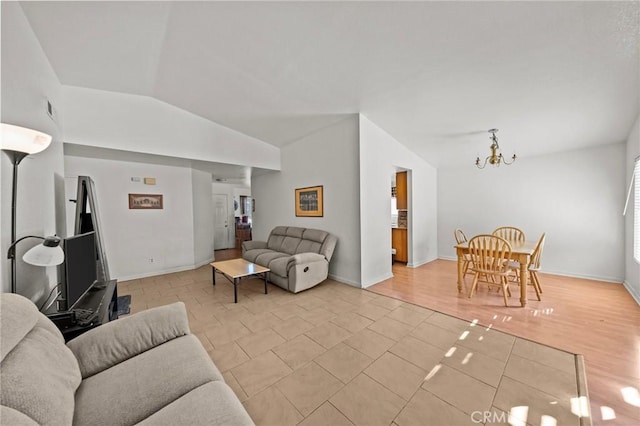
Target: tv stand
(101,297)
(99,285)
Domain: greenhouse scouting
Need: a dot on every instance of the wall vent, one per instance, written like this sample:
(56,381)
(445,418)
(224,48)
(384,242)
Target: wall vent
(50,110)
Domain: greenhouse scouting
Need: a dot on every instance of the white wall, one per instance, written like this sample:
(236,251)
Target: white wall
(328,157)
(133,237)
(27,82)
(380,154)
(632,268)
(202,214)
(576,197)
(143,124)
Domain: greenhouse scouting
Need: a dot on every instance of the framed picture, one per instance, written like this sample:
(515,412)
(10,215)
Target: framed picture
(309,201)
(145,201)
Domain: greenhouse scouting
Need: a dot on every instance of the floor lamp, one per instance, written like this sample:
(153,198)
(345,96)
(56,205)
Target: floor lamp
(18,142)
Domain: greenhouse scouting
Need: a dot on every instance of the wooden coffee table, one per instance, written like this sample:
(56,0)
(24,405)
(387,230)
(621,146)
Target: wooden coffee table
(235,269)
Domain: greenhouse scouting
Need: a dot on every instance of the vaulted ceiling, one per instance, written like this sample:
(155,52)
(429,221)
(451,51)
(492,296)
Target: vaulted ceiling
(551,76)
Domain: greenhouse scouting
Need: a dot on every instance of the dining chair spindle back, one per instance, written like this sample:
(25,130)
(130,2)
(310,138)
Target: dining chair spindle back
(490,257)
(461,238)
(510,233)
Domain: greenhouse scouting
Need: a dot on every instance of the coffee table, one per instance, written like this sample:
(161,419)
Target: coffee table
(235,269)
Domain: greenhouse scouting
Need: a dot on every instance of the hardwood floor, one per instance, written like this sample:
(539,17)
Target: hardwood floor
(599,320)
(226,254)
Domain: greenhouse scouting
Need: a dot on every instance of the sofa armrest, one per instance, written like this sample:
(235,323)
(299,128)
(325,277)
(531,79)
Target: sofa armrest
(117,341)
(250,245)
(301,258)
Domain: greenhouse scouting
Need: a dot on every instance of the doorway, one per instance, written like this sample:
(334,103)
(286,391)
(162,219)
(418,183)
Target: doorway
(220,221)
(400,208)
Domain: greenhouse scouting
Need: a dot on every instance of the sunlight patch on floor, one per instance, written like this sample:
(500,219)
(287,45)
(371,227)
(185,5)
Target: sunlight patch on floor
(580,406)
(631,396)
(607,413)
(433,372)
(518,415)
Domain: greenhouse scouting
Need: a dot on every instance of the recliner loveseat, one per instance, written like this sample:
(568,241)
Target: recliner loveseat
(142,369)
(297,257)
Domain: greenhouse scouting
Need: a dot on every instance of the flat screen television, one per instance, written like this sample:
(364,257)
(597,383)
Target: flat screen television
(80,266)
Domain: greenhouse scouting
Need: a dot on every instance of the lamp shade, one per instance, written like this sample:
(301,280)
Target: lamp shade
(21,139)
(49,253)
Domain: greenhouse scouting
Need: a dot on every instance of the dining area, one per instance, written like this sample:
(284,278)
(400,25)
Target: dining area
(498,260)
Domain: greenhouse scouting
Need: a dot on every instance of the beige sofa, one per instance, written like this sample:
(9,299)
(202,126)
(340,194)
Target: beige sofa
(143,369)
(298,257)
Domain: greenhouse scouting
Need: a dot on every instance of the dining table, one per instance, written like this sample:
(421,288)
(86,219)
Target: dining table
(521,252)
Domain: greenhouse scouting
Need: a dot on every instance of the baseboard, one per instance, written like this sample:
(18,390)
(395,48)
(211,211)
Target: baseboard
(632,291)
(164,271)
(454,258)
(344,281)
(379,280)
(562,274)
(202,263)
(420,263)
(584,276)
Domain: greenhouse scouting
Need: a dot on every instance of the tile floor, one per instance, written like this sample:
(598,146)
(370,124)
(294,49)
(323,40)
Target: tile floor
(337,355)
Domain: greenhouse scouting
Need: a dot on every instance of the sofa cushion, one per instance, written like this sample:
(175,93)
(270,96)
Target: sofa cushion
(315,235)
(290,245)
(39,373)
(117,341)
(308,246)
(213,403)
(12,417)
(18,316)
(293,231)
(280,265)
(285,239)
(265,259)
(142,385)
(252,255)
(275,242)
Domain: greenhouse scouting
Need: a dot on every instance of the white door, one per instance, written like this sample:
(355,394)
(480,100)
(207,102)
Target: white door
(220,221)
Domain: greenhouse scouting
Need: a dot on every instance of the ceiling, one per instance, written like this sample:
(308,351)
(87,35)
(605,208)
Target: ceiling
(551,76)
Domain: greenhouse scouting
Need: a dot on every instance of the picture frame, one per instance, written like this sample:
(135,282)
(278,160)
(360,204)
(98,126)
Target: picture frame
(309,201)
(146,202)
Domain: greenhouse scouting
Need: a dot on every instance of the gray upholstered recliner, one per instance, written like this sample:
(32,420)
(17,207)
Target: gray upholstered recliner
(298,257)
(143,369)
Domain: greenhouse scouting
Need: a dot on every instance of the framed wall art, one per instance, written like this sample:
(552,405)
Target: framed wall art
(309,201)
(145,201)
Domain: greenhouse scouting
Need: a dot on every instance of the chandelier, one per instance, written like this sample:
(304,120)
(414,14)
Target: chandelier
(496,156)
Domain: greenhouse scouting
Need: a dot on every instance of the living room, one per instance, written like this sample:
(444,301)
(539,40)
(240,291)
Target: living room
(574,191)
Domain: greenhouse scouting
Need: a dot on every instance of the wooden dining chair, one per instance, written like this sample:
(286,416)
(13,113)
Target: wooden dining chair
(459,236)
(490,258)
(460,239)
(510,233)
(534,265)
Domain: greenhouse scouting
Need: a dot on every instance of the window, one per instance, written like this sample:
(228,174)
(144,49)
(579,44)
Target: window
(636,211)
